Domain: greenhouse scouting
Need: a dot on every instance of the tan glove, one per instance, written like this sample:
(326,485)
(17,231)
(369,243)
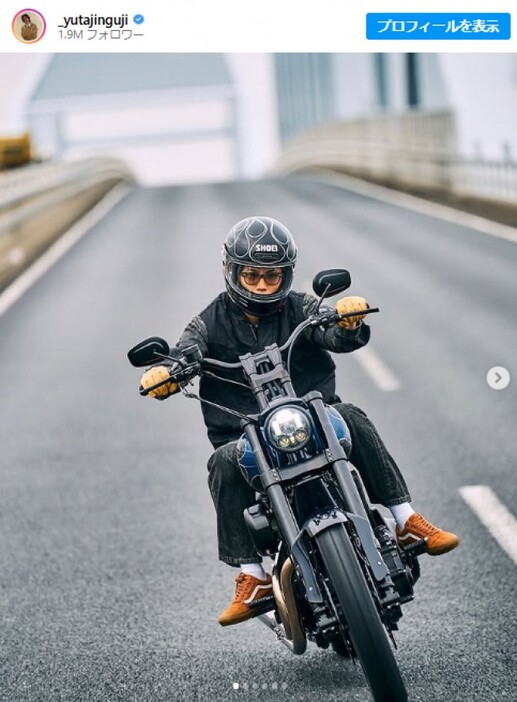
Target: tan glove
(352,303)
(153,376)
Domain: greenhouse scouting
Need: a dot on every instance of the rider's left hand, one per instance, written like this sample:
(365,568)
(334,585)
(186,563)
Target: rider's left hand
(352,303)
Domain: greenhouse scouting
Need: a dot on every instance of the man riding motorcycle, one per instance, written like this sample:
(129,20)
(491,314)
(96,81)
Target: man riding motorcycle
(257,309)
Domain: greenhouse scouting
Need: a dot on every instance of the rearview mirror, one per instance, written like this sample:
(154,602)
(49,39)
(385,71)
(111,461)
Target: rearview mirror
(147,351)
(335,279)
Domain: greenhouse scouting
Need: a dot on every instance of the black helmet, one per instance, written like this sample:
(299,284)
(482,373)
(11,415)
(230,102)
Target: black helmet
(262,242)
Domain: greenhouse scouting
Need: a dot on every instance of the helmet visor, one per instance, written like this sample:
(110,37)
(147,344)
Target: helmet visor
(252,276)
(277,279)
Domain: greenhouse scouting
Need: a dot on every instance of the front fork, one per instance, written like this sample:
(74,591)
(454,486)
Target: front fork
(291,532)
(285,517)
(355,508)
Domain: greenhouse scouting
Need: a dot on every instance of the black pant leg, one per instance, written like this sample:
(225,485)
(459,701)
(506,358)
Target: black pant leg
(231,495)
(381,475)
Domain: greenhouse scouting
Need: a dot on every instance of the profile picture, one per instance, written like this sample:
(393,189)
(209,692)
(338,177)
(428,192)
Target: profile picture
(29,26)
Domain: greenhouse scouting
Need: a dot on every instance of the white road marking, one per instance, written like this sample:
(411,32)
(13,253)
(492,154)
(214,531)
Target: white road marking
(411,202)
(501,523)
(20,286)
(378,371)
(370,362)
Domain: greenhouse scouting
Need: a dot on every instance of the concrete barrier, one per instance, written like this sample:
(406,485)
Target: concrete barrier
(411,150)
(40,205)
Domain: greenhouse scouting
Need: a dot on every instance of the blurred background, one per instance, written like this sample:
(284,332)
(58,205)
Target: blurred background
(72,126)
(177,118)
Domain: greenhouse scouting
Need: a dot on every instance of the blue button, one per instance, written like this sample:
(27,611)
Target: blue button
(433,25)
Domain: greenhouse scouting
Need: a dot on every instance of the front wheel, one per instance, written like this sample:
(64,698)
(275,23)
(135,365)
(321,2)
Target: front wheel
(365,627)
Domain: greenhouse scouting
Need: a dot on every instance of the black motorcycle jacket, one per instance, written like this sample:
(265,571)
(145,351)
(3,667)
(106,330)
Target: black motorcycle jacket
(221,331)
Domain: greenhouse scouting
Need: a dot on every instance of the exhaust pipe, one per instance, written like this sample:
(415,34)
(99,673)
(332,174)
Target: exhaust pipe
(287,608)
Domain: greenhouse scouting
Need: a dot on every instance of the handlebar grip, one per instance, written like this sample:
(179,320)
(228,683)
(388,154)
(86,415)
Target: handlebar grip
(356,314)
(177,376)
(146,391)
(336,316)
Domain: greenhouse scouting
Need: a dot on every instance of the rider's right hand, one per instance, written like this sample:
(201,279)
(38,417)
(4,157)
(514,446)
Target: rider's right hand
(347,305)
(155,375)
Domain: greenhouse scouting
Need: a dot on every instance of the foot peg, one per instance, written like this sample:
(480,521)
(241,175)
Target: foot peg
(263,605)
(416,549)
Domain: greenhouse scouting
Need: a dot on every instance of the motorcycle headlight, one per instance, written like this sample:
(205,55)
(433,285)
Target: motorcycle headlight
(288,429)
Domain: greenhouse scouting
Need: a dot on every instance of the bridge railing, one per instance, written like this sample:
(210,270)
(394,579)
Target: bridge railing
(410,149)
(41,201)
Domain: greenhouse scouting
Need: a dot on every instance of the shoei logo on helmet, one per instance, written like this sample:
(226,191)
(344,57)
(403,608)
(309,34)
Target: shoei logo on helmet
(259,248)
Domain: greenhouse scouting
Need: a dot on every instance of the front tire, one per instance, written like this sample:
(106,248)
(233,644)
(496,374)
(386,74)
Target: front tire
(365,627)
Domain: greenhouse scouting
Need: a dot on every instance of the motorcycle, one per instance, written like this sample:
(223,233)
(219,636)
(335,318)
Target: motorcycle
(339,577)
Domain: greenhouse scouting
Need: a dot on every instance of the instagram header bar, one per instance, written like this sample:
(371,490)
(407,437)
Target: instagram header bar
(255,26)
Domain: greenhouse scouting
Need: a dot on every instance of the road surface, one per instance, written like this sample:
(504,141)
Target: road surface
(109,581)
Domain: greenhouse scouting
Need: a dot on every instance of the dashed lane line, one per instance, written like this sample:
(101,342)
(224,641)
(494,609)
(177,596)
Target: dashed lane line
(370,361)
(377,370)
(491,512)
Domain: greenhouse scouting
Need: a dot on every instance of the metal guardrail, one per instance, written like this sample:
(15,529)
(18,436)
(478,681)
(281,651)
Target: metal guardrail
(413,149)
(486,178)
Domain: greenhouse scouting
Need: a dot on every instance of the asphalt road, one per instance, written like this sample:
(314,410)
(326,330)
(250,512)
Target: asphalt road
(109,581)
